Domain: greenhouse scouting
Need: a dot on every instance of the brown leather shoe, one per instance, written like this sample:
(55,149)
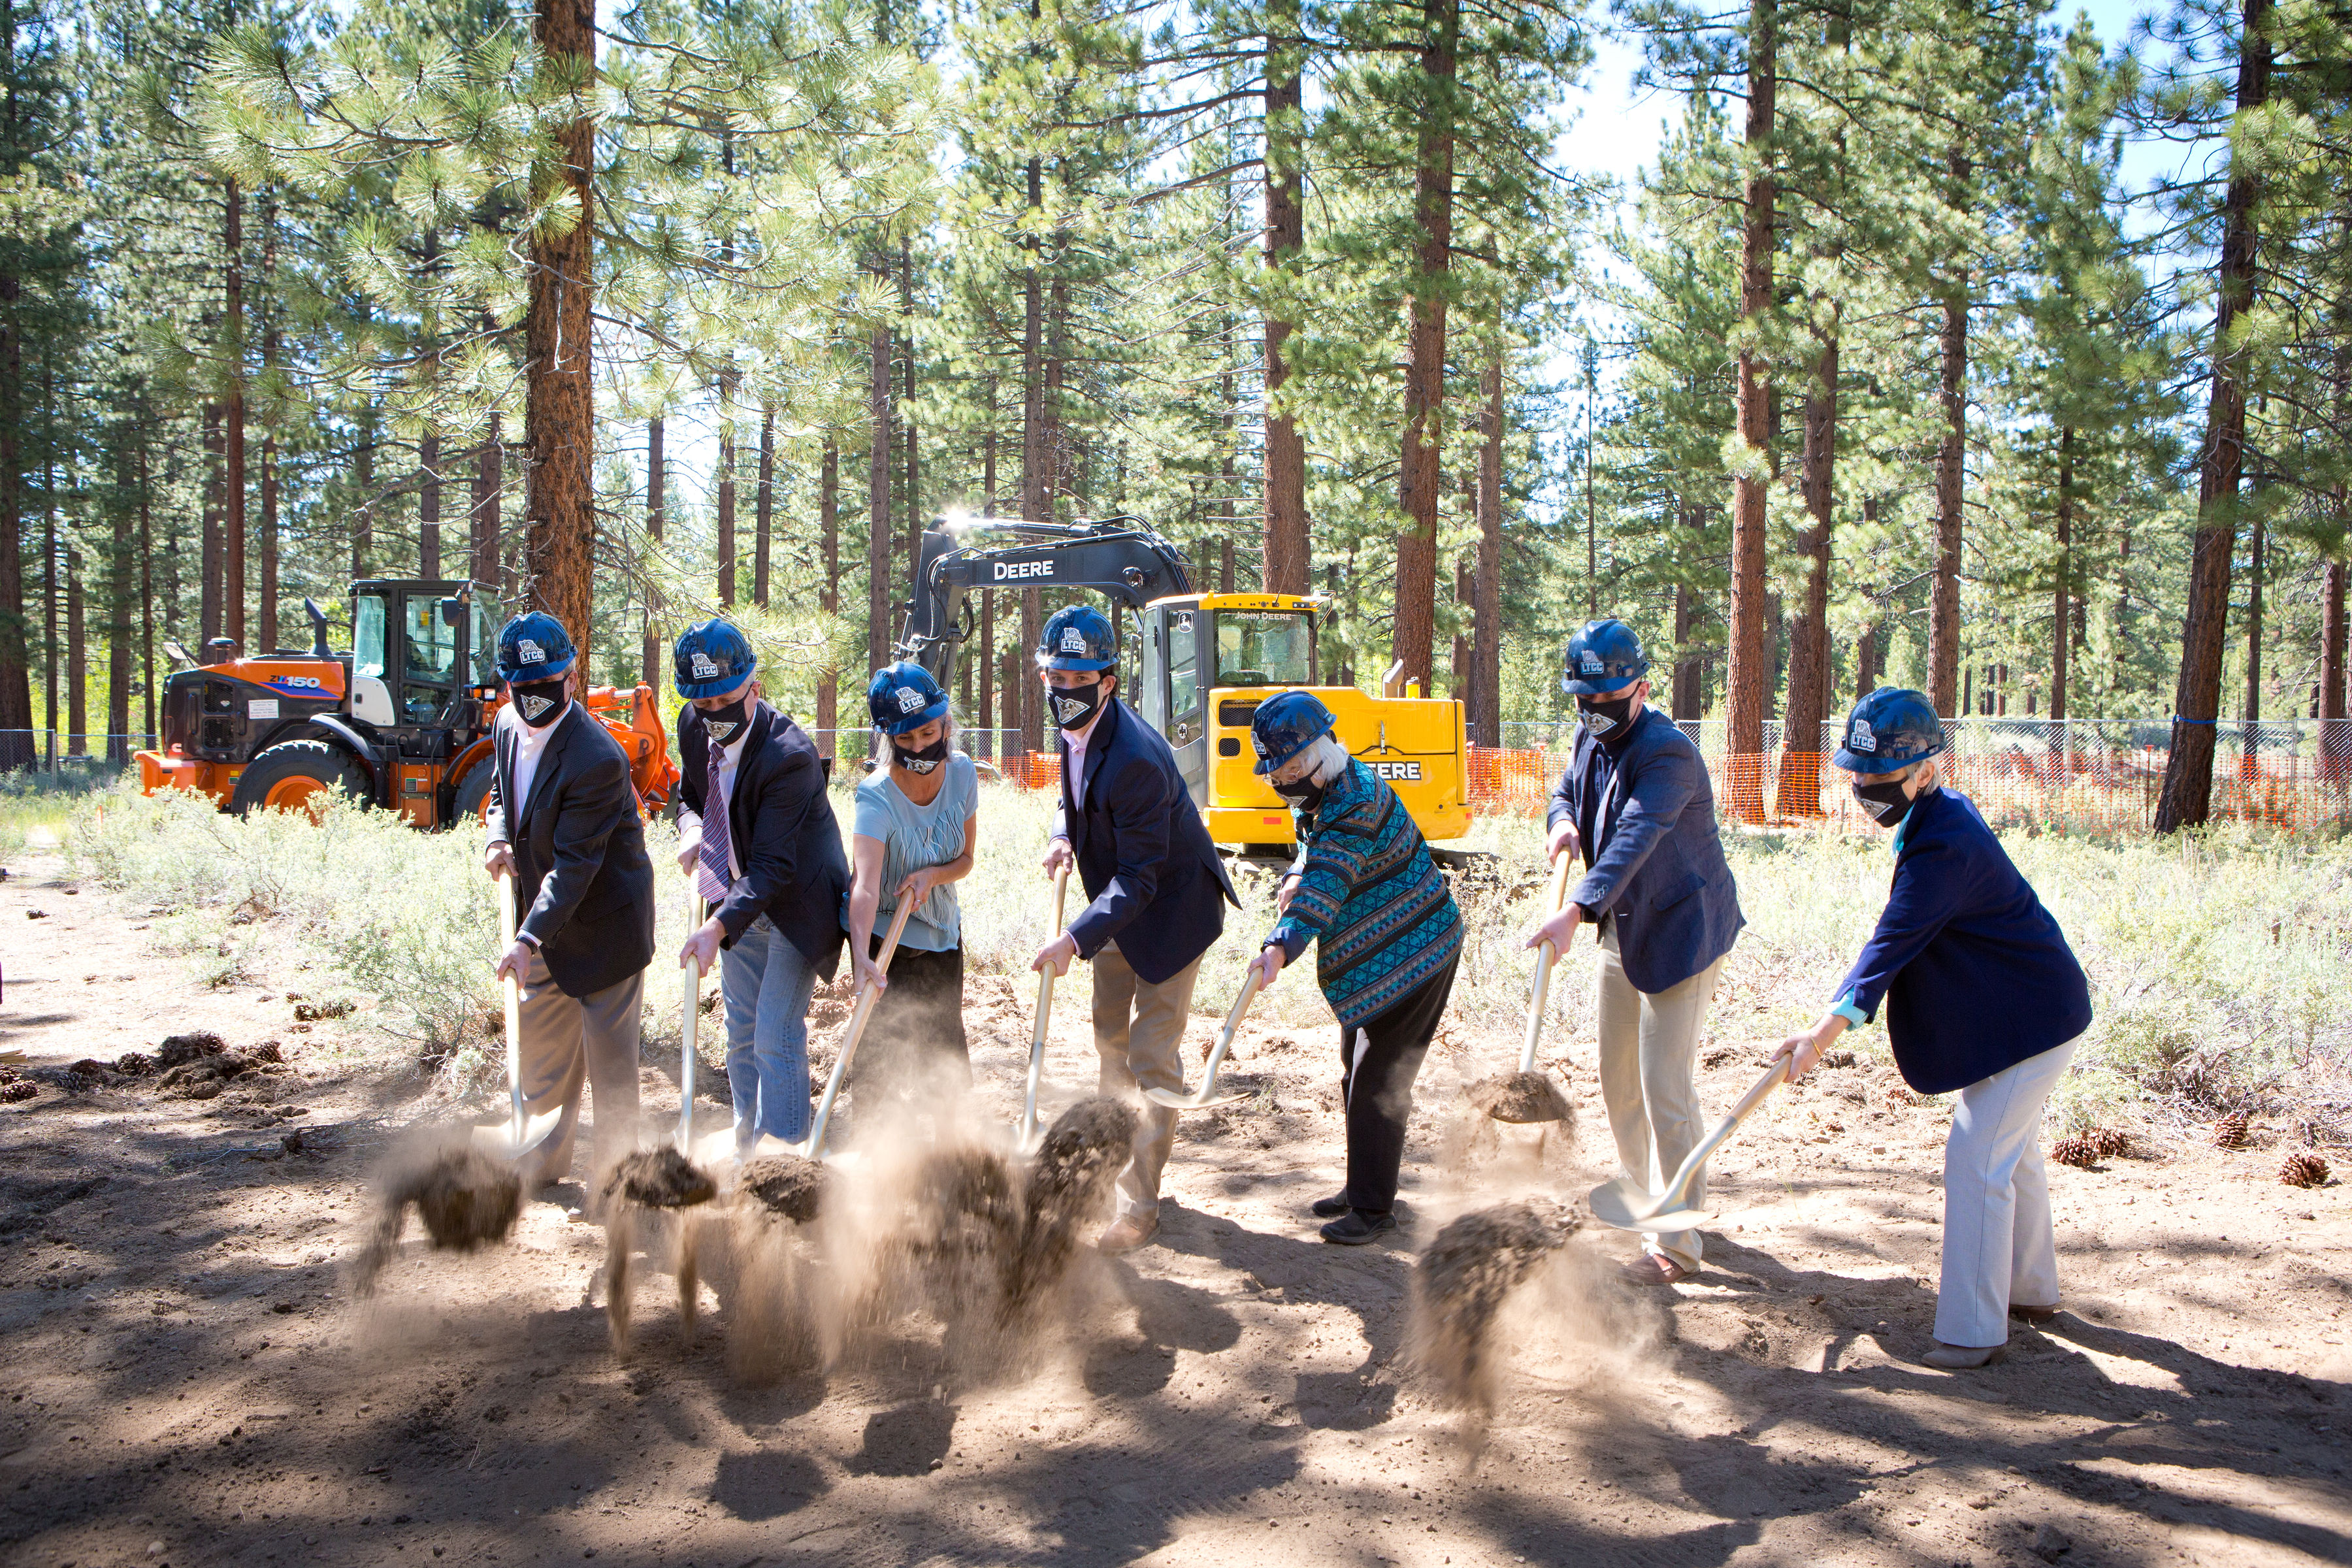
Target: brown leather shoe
(1126,1233)
(1963,1358)
(1653,1268)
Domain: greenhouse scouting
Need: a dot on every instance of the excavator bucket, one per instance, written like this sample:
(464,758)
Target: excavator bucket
(634,719)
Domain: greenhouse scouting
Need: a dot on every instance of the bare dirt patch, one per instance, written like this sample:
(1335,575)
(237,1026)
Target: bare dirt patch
(188,1365)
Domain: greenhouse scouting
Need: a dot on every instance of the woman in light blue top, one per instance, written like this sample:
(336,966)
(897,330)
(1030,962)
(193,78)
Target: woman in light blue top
(912,842)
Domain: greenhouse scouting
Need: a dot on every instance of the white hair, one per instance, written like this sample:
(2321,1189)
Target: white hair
(1326,758)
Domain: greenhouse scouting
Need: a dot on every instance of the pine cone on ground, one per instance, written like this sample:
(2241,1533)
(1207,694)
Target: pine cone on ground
(2230,1132)
(17,1089)
(2303,1170)
(2106,1143)
(2079,1152)
(1899,1096)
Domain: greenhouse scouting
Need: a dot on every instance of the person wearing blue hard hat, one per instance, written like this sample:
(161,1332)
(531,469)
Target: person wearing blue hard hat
(1387,938)
(1156,891)
(912,840)
(1635,801)
(563,827)
(1982,995)
(757,834)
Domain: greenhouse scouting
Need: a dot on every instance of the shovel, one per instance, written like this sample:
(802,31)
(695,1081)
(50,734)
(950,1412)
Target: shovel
(694,918)
(1027,1137)
(522,1134)
(860,1011)
(1208,1095)
(1526,1095)
(1624,1203)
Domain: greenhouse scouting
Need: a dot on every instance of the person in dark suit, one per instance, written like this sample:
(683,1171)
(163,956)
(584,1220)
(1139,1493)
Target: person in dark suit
(563,826)
(1156,887)
(1982,995)
(1637,804)
(757,834)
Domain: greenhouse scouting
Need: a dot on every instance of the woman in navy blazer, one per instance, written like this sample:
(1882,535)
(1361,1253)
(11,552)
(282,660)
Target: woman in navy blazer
(1982,995)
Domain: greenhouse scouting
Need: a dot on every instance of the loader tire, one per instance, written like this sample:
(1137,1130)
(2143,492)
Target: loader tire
(297,775)
(472,800)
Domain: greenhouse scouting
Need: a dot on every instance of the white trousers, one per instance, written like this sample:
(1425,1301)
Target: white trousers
(1647,1043)
(1998,1245)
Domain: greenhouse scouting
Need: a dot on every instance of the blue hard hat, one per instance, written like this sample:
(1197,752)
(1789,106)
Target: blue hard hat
(904,696)
(1889,729)
(1285,724)
(1077,637)
(1603,656)
(711,660)
(534,647)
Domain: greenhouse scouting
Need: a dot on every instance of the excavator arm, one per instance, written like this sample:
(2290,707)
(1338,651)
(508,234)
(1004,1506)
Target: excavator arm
(1117,556)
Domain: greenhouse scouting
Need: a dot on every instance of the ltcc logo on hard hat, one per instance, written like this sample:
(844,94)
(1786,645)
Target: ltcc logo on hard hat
(529,652)
(704,668)
(909,699)
(1860,739)
(1259,741)
(1073,640)
(1589,662)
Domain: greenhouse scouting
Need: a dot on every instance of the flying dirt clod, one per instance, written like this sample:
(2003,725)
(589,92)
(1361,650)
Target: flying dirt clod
(1470,1266)
(788,1186)
(467,1199)
(1082,1155)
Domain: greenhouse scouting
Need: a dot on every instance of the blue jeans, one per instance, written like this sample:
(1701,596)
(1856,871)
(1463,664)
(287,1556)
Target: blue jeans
(766,984)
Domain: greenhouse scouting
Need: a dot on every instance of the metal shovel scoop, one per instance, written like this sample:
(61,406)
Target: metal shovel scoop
(1208,1094)
(522,1135)
(1627,1205)
(688,1058)
(861,1010)
(1029,1135)
(1526,1095)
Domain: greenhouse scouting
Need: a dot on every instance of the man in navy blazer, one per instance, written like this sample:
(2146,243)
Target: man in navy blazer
(1636,801)
(757,834)
(1157,892)
(1982,995)
(563,828)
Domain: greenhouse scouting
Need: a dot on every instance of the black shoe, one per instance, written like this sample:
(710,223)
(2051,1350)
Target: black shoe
(1358,1227)
(1331,1207)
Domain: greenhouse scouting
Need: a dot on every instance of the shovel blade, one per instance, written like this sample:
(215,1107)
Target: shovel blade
(1174,1101)
(498,1139)
(1682,1218)
(1629,1205)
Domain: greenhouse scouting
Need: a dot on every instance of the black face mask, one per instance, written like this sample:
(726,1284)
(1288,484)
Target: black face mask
(1605,717)
(1303,794)
(920,761)
(722,723)
(1075,707)
(1887,803)
(538,703)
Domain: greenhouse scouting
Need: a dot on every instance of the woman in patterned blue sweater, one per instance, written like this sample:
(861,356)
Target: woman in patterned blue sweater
(1387,935)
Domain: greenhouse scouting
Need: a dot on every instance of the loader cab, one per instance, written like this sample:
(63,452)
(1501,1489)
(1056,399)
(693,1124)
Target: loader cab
(421,661)
(1208,660)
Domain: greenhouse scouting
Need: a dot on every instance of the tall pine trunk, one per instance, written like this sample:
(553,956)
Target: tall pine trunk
(16,655)
(490,474)
(1800,792)
(1688,701)
(764,509)
(1034,458)
(2335,728)
(914,476)
(208,560)
(119,656)
(1289,549)
(656,500)
(828,523)
(560,419)
(233,486)
(428,505)
(364,480)
(1420,476)
(2061,619)
(1484,717)
(2187,795)
(265,634)
(727,552)
(878,497)
(1749,677)
(146,582)
(1951,459)
(76,660)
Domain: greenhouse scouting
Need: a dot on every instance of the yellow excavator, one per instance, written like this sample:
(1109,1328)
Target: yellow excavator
(1195,666)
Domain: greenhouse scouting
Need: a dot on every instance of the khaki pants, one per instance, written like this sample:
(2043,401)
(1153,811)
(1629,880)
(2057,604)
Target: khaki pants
(567,1040)
(1647,1043)
(1141,1049)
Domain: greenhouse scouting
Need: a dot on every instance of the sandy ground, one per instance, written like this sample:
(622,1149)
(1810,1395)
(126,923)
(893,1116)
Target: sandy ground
(188,1380)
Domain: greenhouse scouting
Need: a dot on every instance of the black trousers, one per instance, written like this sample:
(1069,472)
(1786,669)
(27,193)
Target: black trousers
(914,1043)
(1378,1086)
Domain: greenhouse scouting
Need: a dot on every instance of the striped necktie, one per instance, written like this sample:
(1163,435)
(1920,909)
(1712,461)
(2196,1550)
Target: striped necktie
(714,878)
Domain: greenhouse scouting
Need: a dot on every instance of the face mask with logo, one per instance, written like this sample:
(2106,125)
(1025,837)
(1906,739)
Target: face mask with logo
(1075,707)
(722,723)
(538,703)
(1606,718)
(1885,801)
(923,761)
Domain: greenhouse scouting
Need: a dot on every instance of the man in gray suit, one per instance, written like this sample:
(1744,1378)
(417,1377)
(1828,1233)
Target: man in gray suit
(1636,802)
(564,825)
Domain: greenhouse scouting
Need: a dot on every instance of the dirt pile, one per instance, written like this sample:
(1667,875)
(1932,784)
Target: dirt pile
(1521,1098)
(660,1178)
(788,1186)
(650,1180)
(467,1200)
(1465,1275)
